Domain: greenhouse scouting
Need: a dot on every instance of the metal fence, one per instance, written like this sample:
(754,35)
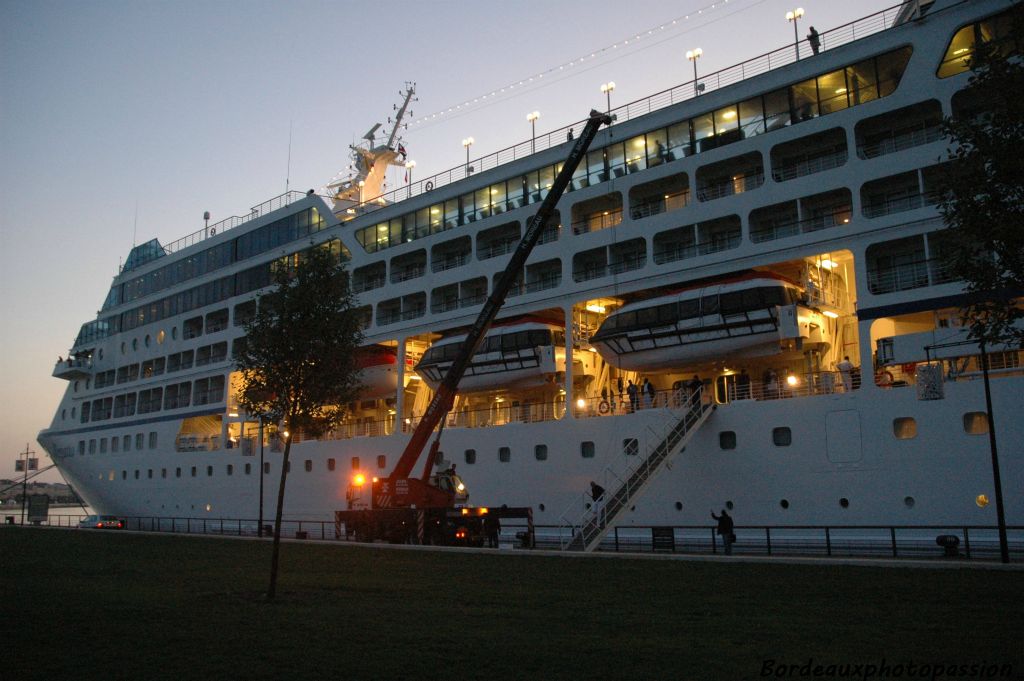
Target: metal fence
(970,542)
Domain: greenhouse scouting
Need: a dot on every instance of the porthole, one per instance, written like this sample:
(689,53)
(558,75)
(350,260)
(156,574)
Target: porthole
(209,471)
(844,502)
(146,340)
(504,454)
(309,465)
(382,461)
(470,456)
(782,437)
(904,428)
(123,347)
(101,353)
(679,506)
(727,439)
(976,423)
(73,409)
(541,507)
(587,449)
(160,337)
(909,502)
(174,333)
(540,452)
(728,505)
(76,386)
(330,466)
(63,414)
(135,344)
(784,503)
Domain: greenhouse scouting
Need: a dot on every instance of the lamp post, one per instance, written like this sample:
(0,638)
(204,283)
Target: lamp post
(532,117)
(794,16)
(607,88)
(468,142)
(1004,549)
(409,165)
(694,55)
(259,528)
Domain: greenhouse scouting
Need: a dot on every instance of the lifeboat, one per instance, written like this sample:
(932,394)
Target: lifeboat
(516,355)
(754,315)
(378,371)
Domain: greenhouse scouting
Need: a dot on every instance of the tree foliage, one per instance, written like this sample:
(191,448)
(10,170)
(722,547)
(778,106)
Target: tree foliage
(298,361)
(983,203)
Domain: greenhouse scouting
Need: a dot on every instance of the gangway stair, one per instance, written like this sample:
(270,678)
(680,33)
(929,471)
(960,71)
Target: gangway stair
(585,531)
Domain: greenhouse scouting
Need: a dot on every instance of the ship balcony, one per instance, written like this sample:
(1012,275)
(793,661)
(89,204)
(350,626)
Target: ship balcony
(910,275)
(72,368)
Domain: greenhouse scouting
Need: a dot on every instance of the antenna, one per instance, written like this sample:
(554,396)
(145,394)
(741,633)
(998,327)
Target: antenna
(288,174)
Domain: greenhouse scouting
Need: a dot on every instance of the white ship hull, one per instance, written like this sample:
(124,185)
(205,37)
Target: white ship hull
(847,189)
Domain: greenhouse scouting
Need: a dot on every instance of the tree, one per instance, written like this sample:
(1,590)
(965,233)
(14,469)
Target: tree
(298,360)
(983,192)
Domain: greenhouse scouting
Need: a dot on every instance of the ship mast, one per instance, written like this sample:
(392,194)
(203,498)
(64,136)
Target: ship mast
(370,161)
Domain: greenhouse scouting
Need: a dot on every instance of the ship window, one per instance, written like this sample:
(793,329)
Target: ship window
(248,468)
(149,473)
(904,428)
(890,70)
(782,437)
(92,446)
(81,447)
(959,53)
(587,449)
(163,472)
(470,456)
(382,461)
(115,444)
(630,446)
(124,475)
(751,113)
(309,466)
(776,109)
(355,463)
(127,443)
(86,406)
(805,100)
(136,473)
(152,440)
(784,503)
(266,468)
(330,465)
(504,454)
(139,440)
(540,452)
(727,439)
(209,471)
(862,82)
(975,423)
(177,472)
(103,445)
(833,91)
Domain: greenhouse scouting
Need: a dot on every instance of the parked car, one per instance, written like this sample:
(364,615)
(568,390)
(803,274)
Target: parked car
(101,522)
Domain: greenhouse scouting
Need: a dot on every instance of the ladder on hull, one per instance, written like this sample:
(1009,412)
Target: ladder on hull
(589,529)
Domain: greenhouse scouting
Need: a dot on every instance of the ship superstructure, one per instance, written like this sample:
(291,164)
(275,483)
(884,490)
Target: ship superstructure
(775,241)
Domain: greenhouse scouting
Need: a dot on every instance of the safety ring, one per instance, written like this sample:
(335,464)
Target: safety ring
(428,186)
(884,378)
(603,407)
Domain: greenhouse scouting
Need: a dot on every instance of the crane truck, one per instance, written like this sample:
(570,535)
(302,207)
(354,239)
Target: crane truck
(430,508)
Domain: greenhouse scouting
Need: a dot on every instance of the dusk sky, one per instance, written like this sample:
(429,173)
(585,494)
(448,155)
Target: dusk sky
(125,121)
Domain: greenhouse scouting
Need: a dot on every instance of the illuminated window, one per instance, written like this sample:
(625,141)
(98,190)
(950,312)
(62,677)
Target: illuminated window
(904,428)
(976,423)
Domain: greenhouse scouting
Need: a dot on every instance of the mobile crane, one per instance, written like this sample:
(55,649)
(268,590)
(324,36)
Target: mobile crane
(428,508)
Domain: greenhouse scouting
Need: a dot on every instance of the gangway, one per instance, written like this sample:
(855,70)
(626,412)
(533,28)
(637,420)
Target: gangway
(585,532)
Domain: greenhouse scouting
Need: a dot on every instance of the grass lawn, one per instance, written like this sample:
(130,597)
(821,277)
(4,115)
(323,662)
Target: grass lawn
(107,605)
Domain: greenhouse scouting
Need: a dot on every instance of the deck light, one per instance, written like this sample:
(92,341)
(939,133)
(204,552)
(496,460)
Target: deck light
(794,16)
(532,117)
(694,55)
(607,88)
(981,500)
(358,479)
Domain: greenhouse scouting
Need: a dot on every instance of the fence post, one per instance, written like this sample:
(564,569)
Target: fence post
(616,539)
(967,543)
(768,539)
(828,542)
(714,544)
(892,533)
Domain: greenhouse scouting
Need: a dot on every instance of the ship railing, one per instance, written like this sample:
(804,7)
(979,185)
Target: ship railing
(769,61)
(671,253)
(972,542)
(660,204)
(625,264)
(369,283)
(820,161)
(737,184)
(494,249)
(544,282)
(501,413)
(407,273)
(899,202)
(598,221)
(911,275)
(901,140)
(224,225)
(769,230)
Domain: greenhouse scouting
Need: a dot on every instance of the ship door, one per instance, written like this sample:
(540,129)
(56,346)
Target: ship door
(725,389)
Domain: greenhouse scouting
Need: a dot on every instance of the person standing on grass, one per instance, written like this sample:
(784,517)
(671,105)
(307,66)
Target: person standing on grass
(725,528)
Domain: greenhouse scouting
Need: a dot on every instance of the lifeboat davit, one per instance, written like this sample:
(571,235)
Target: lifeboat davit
(514,355)
(378,372)
(754,315)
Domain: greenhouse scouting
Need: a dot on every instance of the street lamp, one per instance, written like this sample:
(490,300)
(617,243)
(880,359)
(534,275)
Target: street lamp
(794,16)
(607,88)
(694,55)
(259,528)
(409,165)
(532,117)
(468,142)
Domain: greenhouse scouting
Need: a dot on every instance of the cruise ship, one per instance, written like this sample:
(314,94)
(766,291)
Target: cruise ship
(768,232)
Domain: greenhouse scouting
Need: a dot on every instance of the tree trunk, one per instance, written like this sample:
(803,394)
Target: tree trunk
(277,520)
